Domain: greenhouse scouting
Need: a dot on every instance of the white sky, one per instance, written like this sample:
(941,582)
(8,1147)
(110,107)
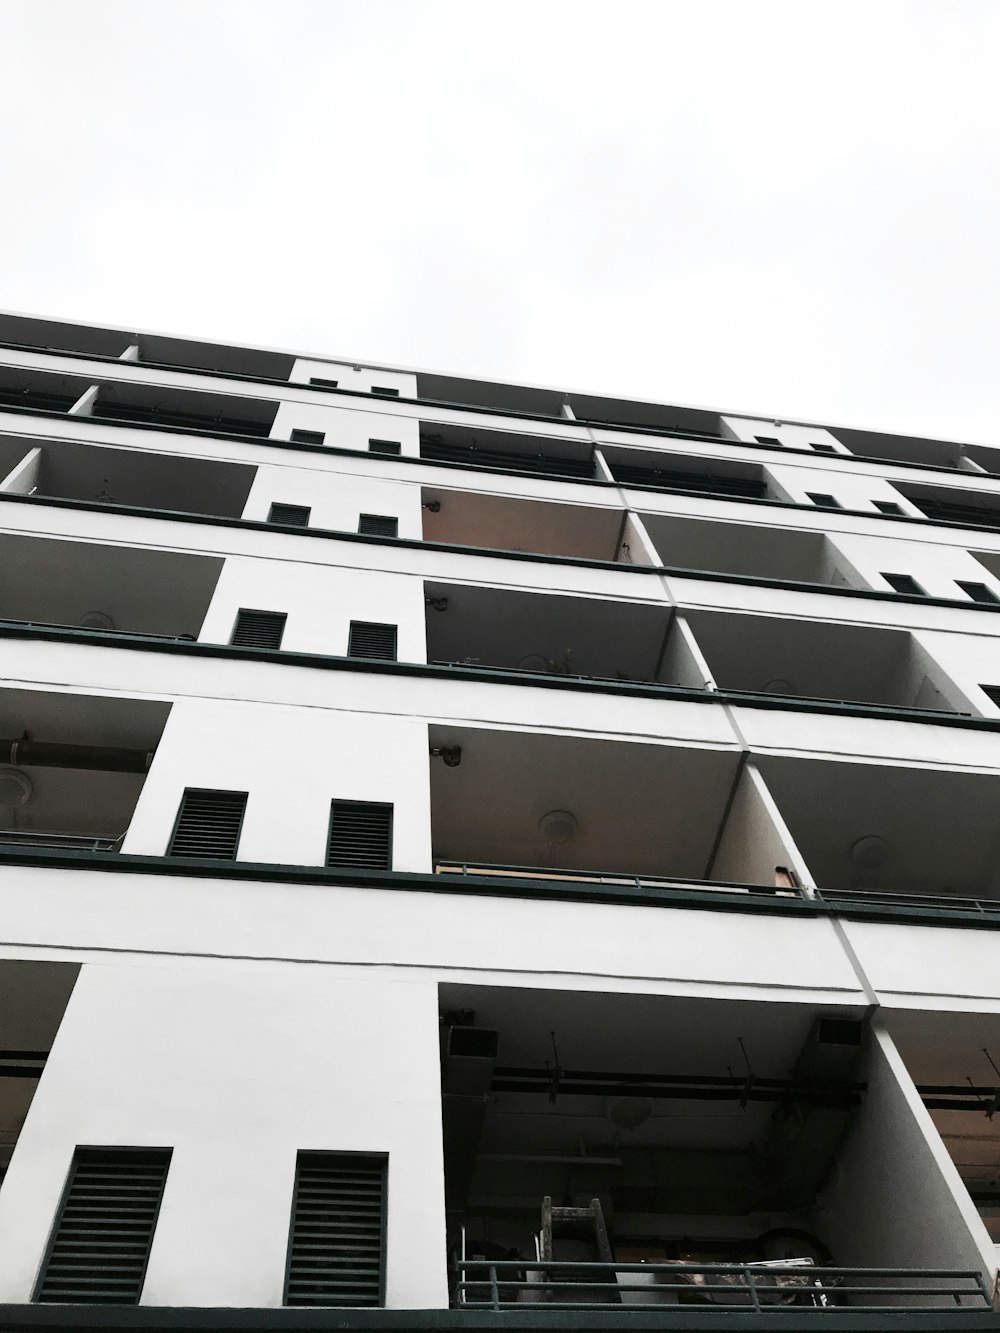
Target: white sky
(790,207)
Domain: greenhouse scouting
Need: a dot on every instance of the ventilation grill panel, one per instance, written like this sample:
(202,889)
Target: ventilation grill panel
(368,640)
(293,516)
(209,824)
(336,1252)
(259,629)
(378,525)
(360,835)
(392,447)
(104,1231)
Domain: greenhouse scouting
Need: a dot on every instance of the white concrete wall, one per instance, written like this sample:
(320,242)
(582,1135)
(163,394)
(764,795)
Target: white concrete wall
(336,501)
(895,1198)
(788,435)
(236,1068)
(360,379)
(348,427)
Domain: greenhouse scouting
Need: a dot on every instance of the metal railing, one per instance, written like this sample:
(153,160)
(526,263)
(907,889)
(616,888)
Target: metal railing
(561,1284)
(612,878)
(75,841)
(975,908)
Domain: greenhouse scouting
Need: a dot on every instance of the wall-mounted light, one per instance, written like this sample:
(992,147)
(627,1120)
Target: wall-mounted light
(451,754)
(15,787)
(434,506)
(436,603)
(870,852)
(97,620)
(558,827)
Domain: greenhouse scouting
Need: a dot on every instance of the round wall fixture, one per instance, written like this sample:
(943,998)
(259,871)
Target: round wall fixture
(15,787)
(558,826)
(97,620)
(629,1112)
(779,686)
(870,852)
(533,662)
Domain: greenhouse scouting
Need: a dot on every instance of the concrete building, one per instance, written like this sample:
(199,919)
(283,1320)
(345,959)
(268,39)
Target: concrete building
(428,806)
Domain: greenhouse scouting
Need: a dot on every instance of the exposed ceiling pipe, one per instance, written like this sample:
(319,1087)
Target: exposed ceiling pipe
(26,753)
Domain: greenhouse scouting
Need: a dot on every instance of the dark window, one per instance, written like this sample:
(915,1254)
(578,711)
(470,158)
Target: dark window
(103,1233)
(360,835)
(385,447)
(978,591)
(824,501)
(888,507)
(767,439)
(336,1246)
(209,824)
(378,525)
(259,629)
(823,448)
(385,392)
(905,584)
(293,516)
(368,640)
(323,384)
(306,436)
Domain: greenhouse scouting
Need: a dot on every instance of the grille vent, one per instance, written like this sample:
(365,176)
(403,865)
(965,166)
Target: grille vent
(992,693)
(360,835)
(298,436)
(336,1251)
(209,824)
(367,640)
(392,447)
(295,516)
(104,1231)
(259,629)
(378,525)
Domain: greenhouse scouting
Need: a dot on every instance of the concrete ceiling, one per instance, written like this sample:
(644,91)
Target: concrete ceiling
(641,809)
(591,636)
(508,524)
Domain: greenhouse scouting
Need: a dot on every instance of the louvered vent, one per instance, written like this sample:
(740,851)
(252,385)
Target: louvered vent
(378,525)
(294,516)
(360,835)
(992,693)
(336,1252)
(259,629)
(367,640)
(208,824)
(104,1231)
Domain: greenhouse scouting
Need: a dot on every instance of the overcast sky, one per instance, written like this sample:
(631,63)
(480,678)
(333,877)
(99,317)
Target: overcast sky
(786,207)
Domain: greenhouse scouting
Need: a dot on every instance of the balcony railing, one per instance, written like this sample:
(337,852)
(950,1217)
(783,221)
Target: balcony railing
(975,909)
(72,841)
(560,1284)
(613,878)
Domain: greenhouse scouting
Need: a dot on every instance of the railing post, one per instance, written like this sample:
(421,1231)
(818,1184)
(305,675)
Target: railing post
(754,1299)
(494,1289)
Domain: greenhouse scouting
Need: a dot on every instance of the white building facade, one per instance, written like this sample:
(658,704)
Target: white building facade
(426,804)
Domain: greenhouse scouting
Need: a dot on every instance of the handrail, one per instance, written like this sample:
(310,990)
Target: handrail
(565,1284)
(77,841)
(611,877)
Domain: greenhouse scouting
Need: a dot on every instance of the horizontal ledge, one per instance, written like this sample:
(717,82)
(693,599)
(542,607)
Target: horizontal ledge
(514,414)
(14,629)
(491,553)
(715,896)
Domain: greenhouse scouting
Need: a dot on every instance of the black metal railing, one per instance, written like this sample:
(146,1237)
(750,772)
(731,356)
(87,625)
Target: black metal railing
(612,877)
(561,1284)
(73,841)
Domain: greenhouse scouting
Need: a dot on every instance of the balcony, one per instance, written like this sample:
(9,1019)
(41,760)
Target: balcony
(674,472)
(154,405)
(576,637)
(820,660)
(130,477)
(33,999)
(546,456)
(749,550)
(539,806)
(114,589)
(73,766)
(896,833)
(730,1149)
(501,523)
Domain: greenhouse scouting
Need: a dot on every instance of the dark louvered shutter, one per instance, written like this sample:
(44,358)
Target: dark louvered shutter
(367,640)
(390,447)
(293,516)
(100,1243)
(259,629)
(360,835)
(336,1251)
(378,525)
(208,824)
